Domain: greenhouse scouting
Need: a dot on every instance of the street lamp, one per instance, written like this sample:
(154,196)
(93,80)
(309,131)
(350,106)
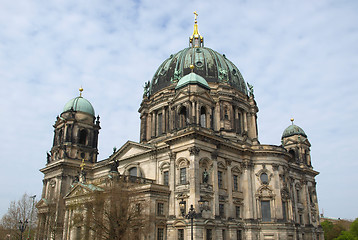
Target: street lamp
(191,213)
(32,210)
(182,206)
(22,227)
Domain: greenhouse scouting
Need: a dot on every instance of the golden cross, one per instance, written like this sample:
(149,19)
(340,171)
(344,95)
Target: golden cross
(196,15)
(82,164)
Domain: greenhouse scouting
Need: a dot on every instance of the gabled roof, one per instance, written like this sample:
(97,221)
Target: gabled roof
(81,189)
(131,149)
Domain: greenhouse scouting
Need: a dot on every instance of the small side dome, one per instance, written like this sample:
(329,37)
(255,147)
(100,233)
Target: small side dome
(79,104)
(192,78)
(293,130)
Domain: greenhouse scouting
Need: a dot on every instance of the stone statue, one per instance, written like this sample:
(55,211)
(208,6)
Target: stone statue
(48,157)
(146,88)
(251,89)
(205,176)
(114,166)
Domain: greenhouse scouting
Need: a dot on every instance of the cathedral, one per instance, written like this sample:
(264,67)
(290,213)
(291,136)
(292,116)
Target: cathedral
(198,165)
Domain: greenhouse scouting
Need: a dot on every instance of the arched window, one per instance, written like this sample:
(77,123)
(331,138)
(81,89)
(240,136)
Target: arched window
(202,117)
(182,117)
(292,152)
(82,136)
(226,113)
(133,172)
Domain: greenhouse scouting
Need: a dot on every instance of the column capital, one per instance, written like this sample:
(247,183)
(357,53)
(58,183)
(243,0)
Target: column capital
(194,150)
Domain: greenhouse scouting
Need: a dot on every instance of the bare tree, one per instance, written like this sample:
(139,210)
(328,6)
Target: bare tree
(115,213)
(19,211)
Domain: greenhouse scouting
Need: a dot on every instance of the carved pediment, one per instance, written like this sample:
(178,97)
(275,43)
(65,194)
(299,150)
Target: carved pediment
(130,149)
(43,203)
(81,189)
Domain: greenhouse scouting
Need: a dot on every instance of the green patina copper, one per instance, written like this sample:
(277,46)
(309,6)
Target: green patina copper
(293,130)
(209,64)
(79,104)
(192,78)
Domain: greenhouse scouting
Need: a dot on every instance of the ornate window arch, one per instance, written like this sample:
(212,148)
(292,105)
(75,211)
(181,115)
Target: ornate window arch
(236,175)
(164,170)
(221,175)
(265,199)
(183,116)
(133,170)
(264,176)
(182,165)
(203,117)
(82,136)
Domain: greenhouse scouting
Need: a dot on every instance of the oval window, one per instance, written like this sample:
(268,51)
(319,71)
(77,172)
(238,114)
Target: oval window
(264,178)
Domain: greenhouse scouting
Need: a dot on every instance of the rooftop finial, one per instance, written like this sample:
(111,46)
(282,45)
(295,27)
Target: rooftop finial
(81,90)
(196,32)
(192,67)
(196,40)
(292,119)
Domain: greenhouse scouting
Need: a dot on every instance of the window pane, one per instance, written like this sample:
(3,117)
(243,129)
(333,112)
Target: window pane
(236,187)
(183,176)
(221,210)
(284,211)
(160,234)
(203,117)
(166,178)
(264,178)
(209,235)
(239,236)
(160,209)
(238,212)
(220,179)
(133,172)
(180,234)
(266,211)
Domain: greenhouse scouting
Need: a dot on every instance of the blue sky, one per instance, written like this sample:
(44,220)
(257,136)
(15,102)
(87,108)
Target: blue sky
(301,57)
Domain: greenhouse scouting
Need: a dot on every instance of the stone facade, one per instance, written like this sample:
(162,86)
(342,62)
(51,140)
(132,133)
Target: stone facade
(198,146)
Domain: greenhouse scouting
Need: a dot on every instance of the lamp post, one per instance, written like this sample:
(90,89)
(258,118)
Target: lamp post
(191,213)
(32,210)
(22,226)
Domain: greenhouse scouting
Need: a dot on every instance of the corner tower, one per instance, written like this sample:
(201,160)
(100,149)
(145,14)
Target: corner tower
(75,140)
(76,132)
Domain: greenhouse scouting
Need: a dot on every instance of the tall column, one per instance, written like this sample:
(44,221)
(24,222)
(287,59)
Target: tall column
(277,191)
(306,204)
(230,208)
(172,183)
(194,175)
(245,122)
(143,127)
(153,123)
(149,126)
(217,117)
(65,225)
(247,191)
(198,113)
(215,204)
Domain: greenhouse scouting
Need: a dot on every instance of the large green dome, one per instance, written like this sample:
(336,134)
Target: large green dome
(209,64)
(79,104)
